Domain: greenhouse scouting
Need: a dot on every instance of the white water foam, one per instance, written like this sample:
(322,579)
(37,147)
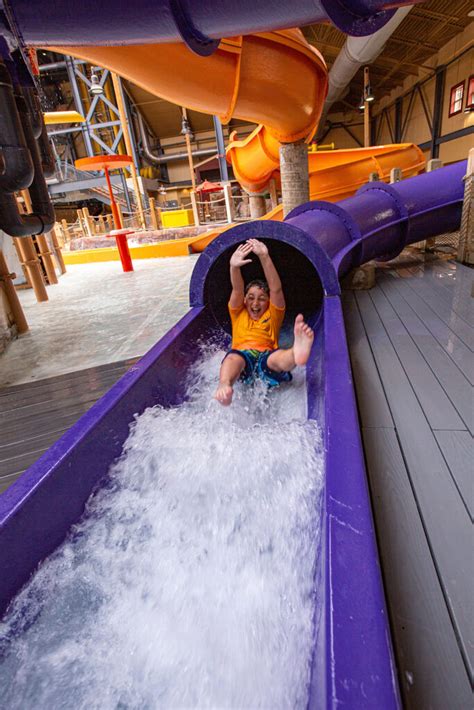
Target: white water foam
(189,583)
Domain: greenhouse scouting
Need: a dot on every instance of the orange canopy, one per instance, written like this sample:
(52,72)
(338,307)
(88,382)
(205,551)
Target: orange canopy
(100,162)
(208,186)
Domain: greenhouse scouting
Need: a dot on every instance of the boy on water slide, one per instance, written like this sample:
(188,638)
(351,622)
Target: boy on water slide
(256,312)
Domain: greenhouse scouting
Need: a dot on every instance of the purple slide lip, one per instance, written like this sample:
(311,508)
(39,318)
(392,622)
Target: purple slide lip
(352,660)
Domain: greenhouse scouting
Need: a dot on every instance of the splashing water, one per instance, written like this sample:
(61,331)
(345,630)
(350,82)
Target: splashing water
(189,581)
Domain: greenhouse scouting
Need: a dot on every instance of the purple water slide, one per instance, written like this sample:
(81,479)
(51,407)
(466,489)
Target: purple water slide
(352,659)
(199,23)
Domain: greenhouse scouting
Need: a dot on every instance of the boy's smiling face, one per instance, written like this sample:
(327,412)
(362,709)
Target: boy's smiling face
(256,302)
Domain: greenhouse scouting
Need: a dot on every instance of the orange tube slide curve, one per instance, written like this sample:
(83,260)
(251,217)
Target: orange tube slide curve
(273,78)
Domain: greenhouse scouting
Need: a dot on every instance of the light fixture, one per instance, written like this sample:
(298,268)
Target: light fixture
(95,88)
(361,103)
(185,127)
(162,190)
(369,95)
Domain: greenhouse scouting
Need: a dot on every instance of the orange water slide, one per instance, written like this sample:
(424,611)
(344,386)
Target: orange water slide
(275,79)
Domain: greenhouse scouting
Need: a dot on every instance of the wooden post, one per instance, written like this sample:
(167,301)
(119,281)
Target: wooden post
(19,254)
(6,279)
(128,144)
(466,236)
(395,175)
(80,218)
(273,193)
(190,154)
(30,259)
(87,221)
(194,204)
(119,210)
(65,228)
(57,251)
(46,257)
(229,203)
(153,216)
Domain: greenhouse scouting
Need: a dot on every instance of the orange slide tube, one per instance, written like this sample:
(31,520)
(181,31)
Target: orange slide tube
(273,78)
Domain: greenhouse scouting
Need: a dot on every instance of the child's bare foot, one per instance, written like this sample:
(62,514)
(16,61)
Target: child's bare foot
(224,393)
(304,337)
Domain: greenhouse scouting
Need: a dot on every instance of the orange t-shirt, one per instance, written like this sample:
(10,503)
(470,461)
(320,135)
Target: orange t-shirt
(261,334)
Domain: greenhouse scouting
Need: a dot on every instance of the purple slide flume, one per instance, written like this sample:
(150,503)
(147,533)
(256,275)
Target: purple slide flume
(352,660)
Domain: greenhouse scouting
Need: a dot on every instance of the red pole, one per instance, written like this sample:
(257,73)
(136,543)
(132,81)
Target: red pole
(113,204)
(121,239)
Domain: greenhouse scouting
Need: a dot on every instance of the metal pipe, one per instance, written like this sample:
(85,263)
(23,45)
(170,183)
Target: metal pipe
(160,159)
(59,65)
(220,149)
(18,168)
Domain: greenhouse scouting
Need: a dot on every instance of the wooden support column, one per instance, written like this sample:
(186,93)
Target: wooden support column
(294,175)
(46,256)
(257,205)
(466,237)
(153,217)
(6,281)
(29,258)
(229,203)
(194,205)
(57,251)
(395,175)
(273,193)
(65,229)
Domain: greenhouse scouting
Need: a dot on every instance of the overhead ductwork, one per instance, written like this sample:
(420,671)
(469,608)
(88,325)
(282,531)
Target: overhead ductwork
(356,52)
(159,159)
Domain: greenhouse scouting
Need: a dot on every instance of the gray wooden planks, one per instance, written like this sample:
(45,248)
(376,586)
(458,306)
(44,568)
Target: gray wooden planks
(373,408)
(454,382)
(437,496)
(457,350)
(439,305)
(436,405)
(431,670)
(35,414)
(458,451)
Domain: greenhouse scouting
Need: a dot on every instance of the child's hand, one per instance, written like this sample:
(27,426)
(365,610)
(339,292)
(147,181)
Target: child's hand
(259,248)
(238,257)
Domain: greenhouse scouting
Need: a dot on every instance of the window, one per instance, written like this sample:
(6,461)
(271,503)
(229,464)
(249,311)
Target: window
(455,100)
(470,93)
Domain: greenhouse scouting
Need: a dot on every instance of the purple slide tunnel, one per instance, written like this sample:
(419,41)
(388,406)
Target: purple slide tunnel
(199,24)
(352,658)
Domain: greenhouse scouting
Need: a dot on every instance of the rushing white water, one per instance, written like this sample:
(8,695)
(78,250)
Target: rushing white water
(189,582)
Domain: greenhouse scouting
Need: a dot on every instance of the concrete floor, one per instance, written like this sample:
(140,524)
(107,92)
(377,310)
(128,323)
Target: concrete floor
(95,315)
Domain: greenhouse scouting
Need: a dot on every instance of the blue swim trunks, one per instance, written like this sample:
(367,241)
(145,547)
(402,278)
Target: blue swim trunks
(256,368)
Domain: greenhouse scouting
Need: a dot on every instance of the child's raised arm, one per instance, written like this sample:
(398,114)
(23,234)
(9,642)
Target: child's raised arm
(277,296)
(236,261)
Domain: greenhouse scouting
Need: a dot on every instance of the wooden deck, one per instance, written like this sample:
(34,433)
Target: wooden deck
(34,415)
(411,341)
